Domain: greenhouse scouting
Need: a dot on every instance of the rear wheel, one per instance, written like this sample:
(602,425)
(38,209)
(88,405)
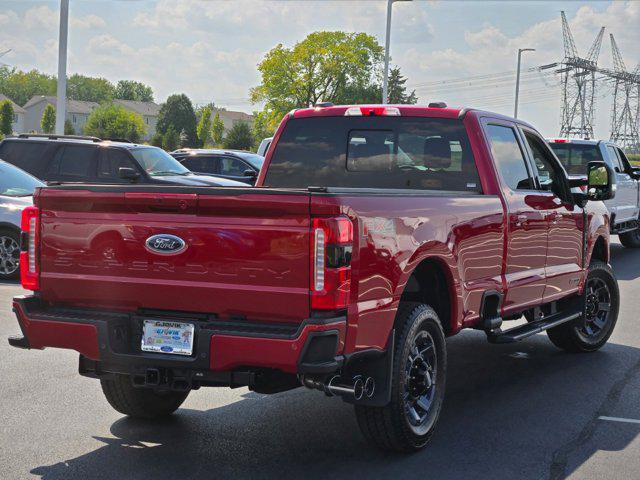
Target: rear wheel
(630,239)
(9,254)
(140,402)
(602,302)
(419,368)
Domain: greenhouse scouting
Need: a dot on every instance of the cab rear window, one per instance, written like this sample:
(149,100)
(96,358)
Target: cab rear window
(374,152)
(575,157)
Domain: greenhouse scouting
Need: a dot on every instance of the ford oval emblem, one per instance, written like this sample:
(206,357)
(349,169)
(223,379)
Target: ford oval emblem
(165,244)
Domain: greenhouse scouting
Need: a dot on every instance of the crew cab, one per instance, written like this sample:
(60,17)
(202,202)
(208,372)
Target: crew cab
(373,233)
(624,209)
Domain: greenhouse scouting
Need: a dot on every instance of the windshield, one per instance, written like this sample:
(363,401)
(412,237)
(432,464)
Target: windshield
(255,160)
(575,157)
(157,162)
(15,182)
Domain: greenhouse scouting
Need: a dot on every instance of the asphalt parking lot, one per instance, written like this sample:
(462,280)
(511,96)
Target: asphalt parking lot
(516,411)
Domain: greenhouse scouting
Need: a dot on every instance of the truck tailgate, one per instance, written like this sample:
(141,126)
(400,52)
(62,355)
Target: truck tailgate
(246,256)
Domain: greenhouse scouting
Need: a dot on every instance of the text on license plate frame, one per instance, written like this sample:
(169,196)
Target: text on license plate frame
(169,337)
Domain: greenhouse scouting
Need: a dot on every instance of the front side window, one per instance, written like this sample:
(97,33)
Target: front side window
(157,162)
(509,157)
(374,152)
(110,163)
(232,167)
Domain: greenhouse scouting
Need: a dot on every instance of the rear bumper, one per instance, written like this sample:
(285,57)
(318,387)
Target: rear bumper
(111,340)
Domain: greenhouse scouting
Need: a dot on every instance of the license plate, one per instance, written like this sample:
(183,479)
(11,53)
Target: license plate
(167,337)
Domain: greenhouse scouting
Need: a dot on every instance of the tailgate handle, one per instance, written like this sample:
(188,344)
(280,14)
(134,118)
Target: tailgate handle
(162,202)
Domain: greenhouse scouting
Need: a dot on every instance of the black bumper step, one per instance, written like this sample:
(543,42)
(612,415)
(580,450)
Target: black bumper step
(532,328)
(19,342)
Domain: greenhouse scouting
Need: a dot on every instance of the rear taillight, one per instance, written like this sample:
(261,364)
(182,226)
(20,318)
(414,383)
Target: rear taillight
(331,245)
(29,264)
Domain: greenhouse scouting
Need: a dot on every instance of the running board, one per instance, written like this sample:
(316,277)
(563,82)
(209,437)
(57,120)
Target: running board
(532,328)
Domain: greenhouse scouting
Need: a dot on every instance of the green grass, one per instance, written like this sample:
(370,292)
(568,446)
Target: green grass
(634,158)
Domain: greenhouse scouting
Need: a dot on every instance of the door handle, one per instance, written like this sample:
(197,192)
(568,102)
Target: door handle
(521,220)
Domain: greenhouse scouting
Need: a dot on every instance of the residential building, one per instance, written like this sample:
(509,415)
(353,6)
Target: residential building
(230,118)
(148,110)
(18,115)
(77,113)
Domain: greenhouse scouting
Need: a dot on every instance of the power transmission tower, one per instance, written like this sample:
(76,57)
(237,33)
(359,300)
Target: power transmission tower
(578,85)
(625,112)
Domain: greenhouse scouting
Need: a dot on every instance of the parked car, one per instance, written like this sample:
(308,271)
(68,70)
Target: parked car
(264,146)
(68,158)
(373,233)
(624,208)
(16,189)
(232,164)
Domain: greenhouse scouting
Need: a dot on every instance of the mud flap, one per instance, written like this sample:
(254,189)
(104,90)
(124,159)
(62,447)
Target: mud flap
(376,364)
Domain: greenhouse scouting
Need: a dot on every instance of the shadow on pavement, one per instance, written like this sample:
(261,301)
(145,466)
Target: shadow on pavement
(625,262)
(499,421)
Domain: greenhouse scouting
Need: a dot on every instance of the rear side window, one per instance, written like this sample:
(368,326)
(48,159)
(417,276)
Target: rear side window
(509,157)
(615,159)
(31,157)
(74,162)
(374,152)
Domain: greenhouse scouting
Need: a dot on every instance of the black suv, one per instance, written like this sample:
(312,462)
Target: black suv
(232,164)
(69,158)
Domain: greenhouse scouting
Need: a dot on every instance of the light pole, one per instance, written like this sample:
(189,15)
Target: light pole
(385,80)
(61,103)
(520,50)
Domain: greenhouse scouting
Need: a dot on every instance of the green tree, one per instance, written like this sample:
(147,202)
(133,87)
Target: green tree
(6,117)
(316,69)
(68,128)
(397,89)
(260,128)
(114,121)
(217,130)
(20,86)
(48,122)
(89,89)
(239,137)
(170,140)
(157,140)
(177,113)
(204,126)
(132,90)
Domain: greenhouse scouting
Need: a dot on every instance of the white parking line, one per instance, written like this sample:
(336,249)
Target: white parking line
(621,420)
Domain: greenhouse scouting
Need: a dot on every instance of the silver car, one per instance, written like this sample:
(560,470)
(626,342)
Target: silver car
(16,190)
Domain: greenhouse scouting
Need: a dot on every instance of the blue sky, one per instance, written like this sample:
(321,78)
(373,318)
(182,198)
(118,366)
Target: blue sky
(209,50)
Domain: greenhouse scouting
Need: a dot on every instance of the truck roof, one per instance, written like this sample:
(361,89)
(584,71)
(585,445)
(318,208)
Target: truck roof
(435,110)
(577,141)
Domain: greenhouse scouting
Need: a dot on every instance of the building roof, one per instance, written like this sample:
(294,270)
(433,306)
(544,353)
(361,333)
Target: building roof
(143,108)
(73,106)
(16,108)
(232,115)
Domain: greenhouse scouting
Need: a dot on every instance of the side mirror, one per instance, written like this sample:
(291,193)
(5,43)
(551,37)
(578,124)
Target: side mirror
(128,173)
(635,173)
(250,173)
(600,181)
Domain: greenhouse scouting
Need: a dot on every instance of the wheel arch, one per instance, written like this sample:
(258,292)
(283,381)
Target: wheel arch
(599,251)
(431,282)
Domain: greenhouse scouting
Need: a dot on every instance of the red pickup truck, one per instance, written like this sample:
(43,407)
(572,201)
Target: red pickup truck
(374,232)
